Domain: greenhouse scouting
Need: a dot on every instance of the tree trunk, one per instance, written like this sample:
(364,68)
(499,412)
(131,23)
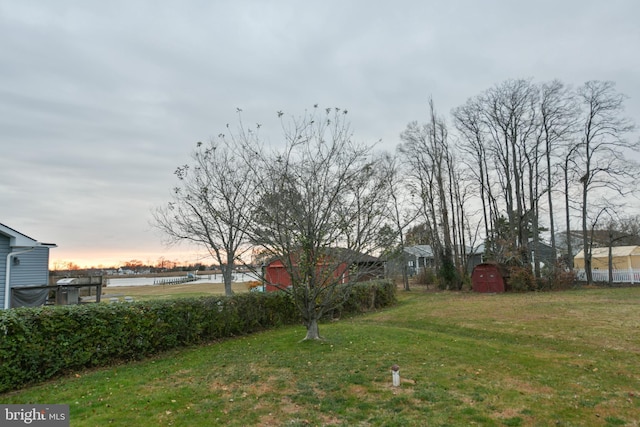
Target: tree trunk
(568,215)
(405,278)
(610,258)
(227,275)
(313,333)
(552,227)
(585,236)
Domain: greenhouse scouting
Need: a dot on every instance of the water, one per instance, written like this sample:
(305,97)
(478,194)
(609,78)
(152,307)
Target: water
(147,281)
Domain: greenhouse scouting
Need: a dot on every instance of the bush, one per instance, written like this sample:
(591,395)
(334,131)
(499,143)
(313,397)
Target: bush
(449,276)
(39,343)
(521,279)
(426,276)
(364,296)
(557,279)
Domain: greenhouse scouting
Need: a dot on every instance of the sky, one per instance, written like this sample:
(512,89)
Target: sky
(100,101)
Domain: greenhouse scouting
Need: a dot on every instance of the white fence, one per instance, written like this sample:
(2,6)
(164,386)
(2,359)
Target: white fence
(619,276)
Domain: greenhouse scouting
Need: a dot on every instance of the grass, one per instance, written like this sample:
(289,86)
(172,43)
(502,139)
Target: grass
(169,291)
(539,359)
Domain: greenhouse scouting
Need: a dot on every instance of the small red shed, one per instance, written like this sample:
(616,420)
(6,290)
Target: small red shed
(489,278)
(339,265)
(277,277)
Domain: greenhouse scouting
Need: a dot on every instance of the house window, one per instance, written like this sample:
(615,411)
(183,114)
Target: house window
(411,263)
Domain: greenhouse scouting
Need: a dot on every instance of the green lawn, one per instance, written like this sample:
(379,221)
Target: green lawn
(540,359)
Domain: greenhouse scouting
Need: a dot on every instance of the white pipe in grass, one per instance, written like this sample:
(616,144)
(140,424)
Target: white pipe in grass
(395,375)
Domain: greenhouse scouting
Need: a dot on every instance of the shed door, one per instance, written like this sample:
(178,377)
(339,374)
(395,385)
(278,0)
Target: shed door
(488,280)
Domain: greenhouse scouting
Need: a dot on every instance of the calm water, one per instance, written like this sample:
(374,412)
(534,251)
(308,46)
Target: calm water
(147,281)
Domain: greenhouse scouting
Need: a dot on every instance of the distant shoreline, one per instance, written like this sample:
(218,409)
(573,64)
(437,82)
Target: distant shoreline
(150,279)
(171,274)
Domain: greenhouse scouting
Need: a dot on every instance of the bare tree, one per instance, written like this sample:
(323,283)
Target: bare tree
(426,149)
(568,167)
(473,144)
(509,115)
(210,206)
(422,180)
(603,163)
(558,115)
(401,213)
(620,231)
(625,230)
(321,201)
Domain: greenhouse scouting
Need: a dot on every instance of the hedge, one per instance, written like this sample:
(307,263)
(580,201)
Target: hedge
(39,343)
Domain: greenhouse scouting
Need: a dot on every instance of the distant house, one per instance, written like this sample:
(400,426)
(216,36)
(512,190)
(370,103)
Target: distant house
(541,252)
(622,257)
(544,253)
(358,267)
(475,256)
(24,262)
(418,258)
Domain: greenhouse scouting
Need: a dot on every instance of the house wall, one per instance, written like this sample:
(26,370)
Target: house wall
(4,251)
(416,264)
(33,269)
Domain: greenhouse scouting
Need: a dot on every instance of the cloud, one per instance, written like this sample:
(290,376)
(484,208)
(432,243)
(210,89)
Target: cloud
(100,102)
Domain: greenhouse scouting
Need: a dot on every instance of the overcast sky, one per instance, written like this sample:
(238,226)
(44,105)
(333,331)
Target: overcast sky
(100,101)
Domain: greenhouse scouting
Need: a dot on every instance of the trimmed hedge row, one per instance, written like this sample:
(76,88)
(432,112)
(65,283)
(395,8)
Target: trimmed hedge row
(39,343)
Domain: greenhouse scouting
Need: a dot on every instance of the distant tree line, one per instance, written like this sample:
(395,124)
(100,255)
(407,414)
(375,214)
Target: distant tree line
(136,266)
(524,158)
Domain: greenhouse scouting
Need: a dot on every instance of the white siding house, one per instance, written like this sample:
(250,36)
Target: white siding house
(418,258)
(24,262)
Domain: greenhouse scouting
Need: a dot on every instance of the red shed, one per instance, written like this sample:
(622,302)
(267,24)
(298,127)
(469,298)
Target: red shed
(489,277)
(277,277)
(340,265)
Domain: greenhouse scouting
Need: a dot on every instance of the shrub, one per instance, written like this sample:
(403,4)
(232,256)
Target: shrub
(426,276)
(558,279)
(41,342)
(364,296)
(521,279)
(449,276)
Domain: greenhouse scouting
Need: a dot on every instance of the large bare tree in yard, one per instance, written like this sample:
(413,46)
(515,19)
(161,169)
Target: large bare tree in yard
(509,114)
(473,145)
(210,205)
(558,116)
(322,199)
(435,180)
(401,214)
(603,163)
